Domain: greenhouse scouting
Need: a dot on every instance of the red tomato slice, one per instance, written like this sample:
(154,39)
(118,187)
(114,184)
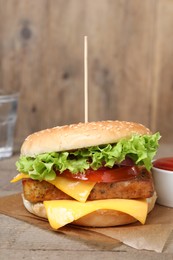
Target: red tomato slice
(105,174)
(164,163)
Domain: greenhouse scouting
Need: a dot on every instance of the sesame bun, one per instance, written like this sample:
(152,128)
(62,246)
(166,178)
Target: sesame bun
(99,218)
(75,136)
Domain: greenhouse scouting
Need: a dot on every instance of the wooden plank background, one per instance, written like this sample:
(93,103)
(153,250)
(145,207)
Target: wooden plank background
(130,46)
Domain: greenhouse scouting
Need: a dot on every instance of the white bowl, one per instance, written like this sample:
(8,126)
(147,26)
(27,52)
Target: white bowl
(163,180)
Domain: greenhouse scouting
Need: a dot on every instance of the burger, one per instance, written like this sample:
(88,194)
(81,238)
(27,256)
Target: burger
(93,174)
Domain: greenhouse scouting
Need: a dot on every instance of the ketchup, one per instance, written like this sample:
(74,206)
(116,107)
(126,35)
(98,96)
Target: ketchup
(164,163)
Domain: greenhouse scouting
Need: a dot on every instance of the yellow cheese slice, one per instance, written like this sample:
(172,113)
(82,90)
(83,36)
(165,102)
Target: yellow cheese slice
(19,177)
(78,190)
(63,212)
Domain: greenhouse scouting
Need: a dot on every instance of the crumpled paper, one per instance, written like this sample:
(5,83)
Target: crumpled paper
(151,236)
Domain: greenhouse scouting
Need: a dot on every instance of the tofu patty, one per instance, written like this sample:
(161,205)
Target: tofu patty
(139,187)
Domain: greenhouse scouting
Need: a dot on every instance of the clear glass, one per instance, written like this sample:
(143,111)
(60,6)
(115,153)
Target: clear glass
(8,116)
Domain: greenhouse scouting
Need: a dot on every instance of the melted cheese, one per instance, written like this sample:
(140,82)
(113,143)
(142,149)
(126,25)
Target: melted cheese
(63,212)
(78,190)
(19,177)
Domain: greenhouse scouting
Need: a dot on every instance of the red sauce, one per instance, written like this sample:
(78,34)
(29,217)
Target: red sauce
(164,163)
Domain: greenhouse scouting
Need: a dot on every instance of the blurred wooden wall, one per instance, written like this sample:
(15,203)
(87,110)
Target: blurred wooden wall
(130,49)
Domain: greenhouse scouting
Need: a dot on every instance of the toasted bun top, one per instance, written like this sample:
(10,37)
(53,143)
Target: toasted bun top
(75,136)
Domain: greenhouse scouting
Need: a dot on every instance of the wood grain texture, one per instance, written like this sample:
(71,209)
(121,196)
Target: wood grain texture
(17,242)
(163,77)
(129,58)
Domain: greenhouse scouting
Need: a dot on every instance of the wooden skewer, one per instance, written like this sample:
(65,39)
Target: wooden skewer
(86,78)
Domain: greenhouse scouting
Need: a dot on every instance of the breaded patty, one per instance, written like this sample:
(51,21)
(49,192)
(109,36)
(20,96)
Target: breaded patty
(140,187)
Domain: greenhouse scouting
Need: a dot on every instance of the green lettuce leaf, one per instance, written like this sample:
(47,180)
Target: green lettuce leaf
(141,149)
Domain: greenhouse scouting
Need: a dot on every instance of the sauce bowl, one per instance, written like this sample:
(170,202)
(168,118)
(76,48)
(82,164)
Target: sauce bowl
(163,179)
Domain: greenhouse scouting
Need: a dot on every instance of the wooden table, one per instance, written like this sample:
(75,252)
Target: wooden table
(20,240)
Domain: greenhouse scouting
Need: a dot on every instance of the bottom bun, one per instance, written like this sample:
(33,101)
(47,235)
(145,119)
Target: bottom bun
(99,218)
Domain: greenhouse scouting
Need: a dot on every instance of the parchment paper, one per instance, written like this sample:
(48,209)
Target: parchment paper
(151,236)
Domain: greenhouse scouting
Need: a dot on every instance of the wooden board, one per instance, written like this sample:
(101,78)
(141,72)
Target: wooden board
(130,61)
